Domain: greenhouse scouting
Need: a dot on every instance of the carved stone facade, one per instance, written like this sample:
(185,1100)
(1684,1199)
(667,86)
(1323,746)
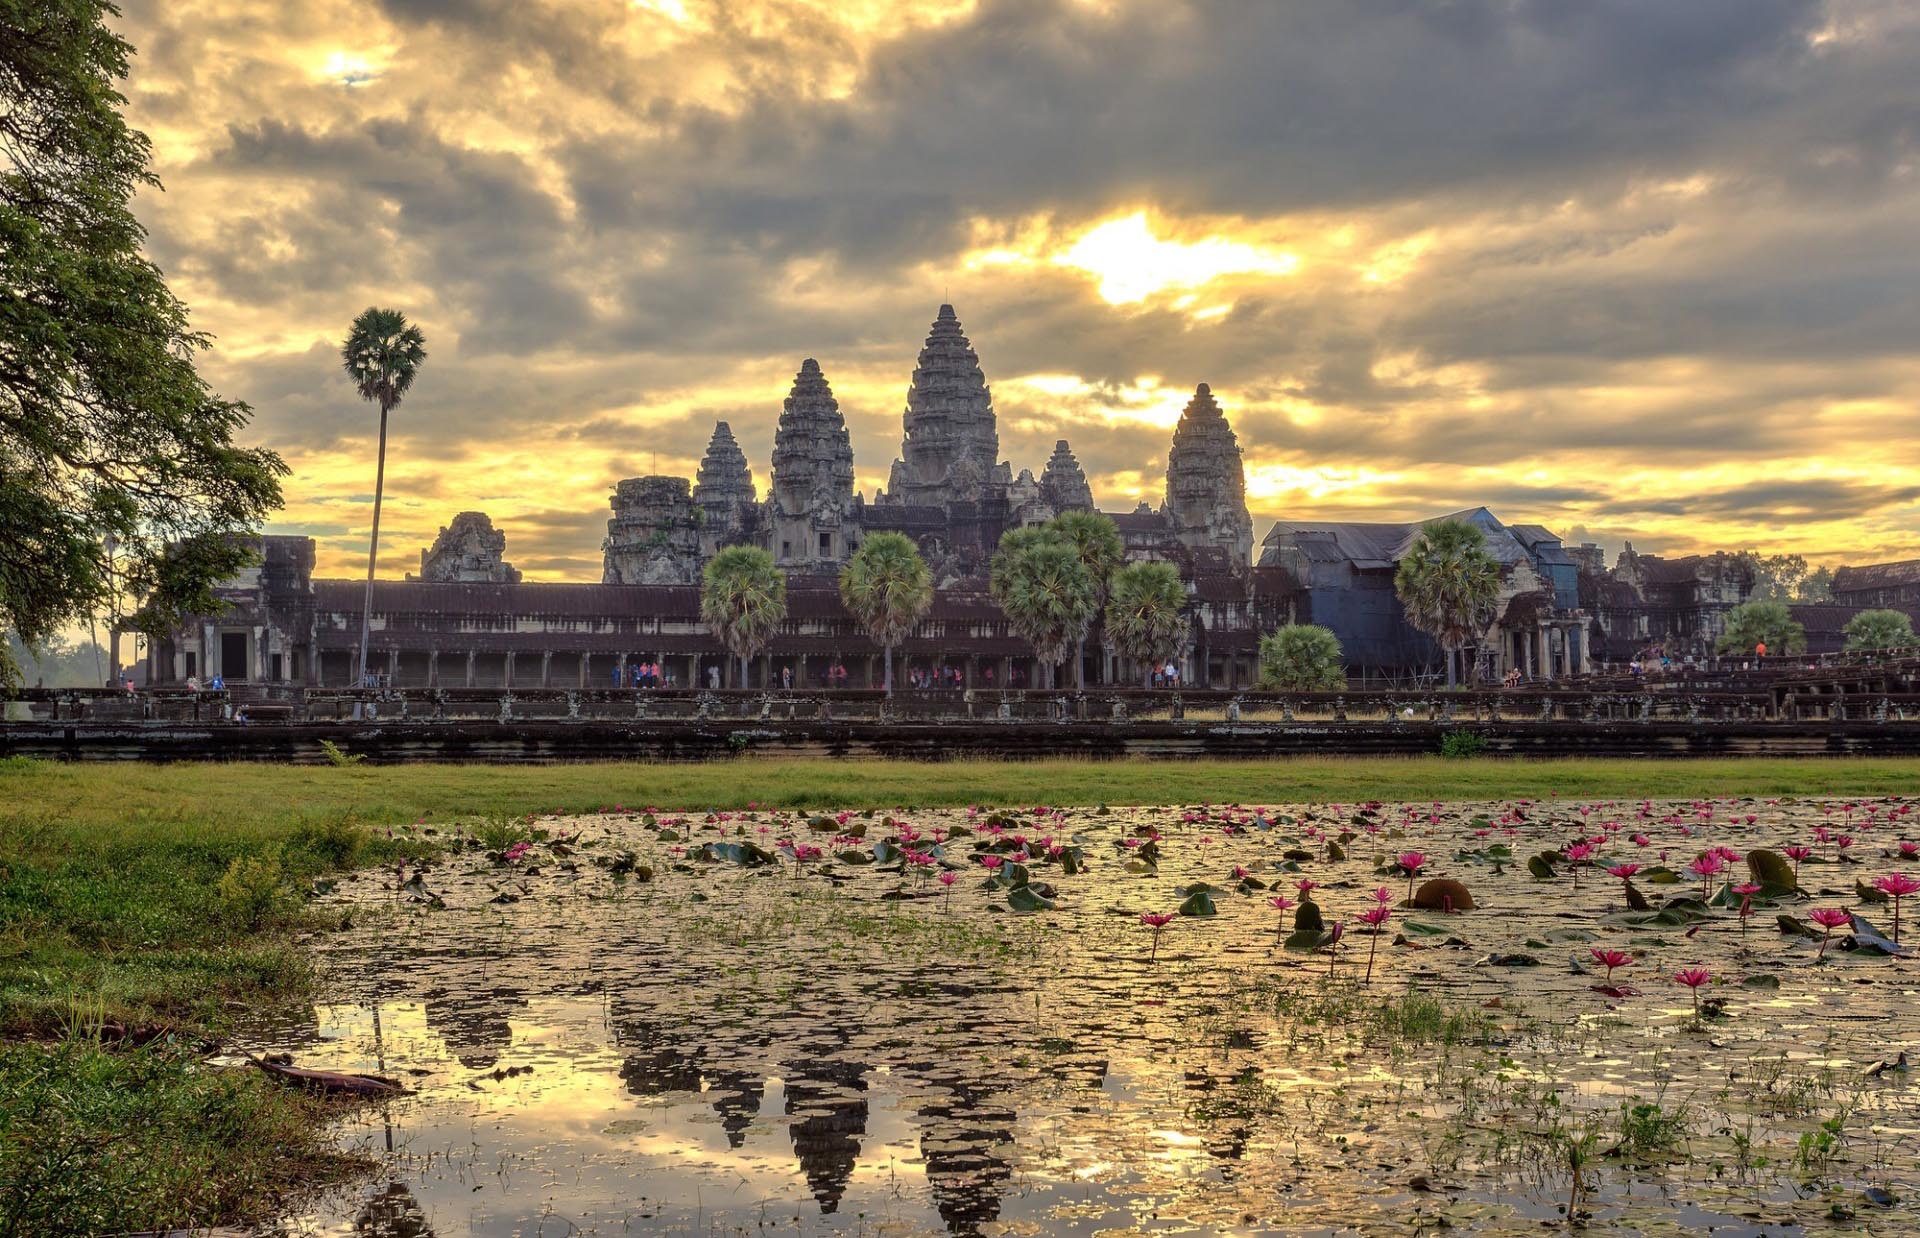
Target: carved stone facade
(1207,481)
(654,535)
(468,551)
(952,446)
(1063,486)
(809,511)
(724,494)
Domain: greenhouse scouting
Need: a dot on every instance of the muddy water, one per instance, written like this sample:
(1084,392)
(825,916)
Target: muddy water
(851,1049)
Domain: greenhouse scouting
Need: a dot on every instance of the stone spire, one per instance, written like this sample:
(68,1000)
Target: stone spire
(724,491)
(653,537)
(1063,484)
(1207,482)
(468,551)
(951,444)
(812,474)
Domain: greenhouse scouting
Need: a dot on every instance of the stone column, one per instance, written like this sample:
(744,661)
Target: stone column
(393,667)
(469,668)
(620,663)
(506,671)
(433,668)
(546,668)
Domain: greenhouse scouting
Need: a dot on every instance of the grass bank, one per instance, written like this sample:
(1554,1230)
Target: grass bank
(152,896)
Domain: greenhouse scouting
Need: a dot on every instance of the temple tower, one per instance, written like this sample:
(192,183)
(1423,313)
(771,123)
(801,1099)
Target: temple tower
(1207,482)
(812,502)
(468,551)
(1063,485)
(951,448)
(724,493)
(654,535)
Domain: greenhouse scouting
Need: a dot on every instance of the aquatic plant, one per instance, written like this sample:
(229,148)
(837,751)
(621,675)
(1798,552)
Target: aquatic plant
(1411,862)
(1829,918)
(1374,916)
(1705,867)
(1897,886)
(1693,978)
(1156,920)
(1280,903)
(1611,958)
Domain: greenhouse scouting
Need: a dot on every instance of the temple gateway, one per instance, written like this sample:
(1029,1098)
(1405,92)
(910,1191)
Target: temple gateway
(467,619)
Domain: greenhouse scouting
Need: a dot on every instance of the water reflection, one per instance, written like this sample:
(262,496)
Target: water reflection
(624,1059)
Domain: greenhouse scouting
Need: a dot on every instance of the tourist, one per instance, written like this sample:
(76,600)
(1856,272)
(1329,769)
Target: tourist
(713,677)
(786,678)
(193,683)
(1760,650)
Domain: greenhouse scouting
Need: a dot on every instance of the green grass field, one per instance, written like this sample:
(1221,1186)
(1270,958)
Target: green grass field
(170,895)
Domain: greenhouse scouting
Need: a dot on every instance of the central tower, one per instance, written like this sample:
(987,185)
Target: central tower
(951,450)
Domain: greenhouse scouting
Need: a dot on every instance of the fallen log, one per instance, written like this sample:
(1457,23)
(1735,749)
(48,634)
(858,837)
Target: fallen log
(331,1082)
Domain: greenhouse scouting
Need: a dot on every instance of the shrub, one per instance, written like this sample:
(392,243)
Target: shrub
(1462,744)
(1879,629)
(253,890)
(1302,657)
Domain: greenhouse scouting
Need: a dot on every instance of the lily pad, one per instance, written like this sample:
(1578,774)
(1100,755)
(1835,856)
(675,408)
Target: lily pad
(1443,894)
(1199,902)
(1025,898)
(1771,872)
(1307,918)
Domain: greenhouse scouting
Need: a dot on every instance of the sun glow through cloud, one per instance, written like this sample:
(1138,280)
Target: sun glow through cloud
(1132,264)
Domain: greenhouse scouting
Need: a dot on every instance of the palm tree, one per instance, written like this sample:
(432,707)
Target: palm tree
(382,355)
(1754,623)
(1878,629)
(1046,593)
(1096,540)
(888,588)
(743,598)
(1147,614)
(1448,584)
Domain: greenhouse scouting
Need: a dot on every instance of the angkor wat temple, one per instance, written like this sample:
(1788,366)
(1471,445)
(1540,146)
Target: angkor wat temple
(467,619)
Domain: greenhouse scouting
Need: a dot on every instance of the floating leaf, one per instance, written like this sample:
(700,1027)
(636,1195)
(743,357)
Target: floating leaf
(1541,866)
(1443,894)
(1772,873)
(1307,939)
(1867,937)
(1307,918)
(1026,898)
(1199,902)
(1866,893)
(1760,982)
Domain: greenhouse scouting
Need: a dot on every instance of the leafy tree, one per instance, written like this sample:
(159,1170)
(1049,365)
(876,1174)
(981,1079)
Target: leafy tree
(743,598)
(383,355)
(106,430)
(1012,542)
(1787,578)
(1147,614)
(1879,629)
(1448,584)
(889,588)
(59,662)
(1302,657)
(1751,623)
(1096,539)
(1046,593)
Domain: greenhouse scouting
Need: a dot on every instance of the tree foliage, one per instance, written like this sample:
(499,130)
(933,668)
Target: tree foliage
(1096,539)
(1448,584)
(1787,578)
(743,598)
(1751,623)
(1880,629)
(888,588)
(383,355)
(1045,591)
(1302,657)
(1147,614)
(106,430)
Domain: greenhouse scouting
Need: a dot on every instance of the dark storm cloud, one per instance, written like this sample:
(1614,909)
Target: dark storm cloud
(1660,236)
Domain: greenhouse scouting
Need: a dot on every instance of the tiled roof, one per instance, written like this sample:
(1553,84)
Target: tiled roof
(1876,576)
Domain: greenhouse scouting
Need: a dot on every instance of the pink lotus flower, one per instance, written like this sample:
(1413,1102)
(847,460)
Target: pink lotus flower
(949,877)
(1374,916)
(1624,872)
(993,862)
(1306,886)
(1156,920)
(1693,978)
(1829,918)
(1610,958)
(1383,896)
(1412,862)
(1796,853)
(1705,867)
(1897,886)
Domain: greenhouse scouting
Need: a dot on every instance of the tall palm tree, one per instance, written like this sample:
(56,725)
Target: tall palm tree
(1147,614)
(1046,593)
(889,588)
(382,355)
(743,598)
(1448,584)
(1096,540)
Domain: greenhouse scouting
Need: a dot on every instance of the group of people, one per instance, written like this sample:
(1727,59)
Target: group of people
(1167,676)
(926,678)
(645,675)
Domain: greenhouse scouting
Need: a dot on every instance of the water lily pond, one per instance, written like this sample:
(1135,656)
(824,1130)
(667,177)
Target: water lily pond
(1101,1022)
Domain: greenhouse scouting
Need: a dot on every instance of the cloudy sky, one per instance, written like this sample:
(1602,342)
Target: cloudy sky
(1633,269)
